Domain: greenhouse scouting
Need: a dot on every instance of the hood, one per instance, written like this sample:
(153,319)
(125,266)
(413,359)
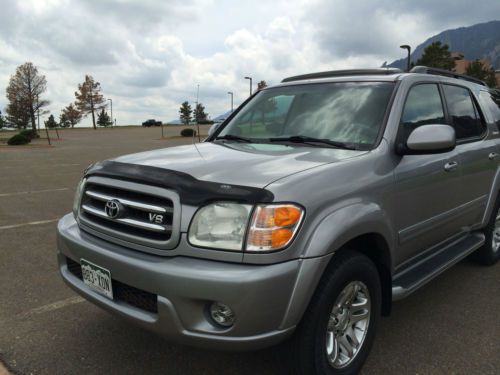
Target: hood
(255,165)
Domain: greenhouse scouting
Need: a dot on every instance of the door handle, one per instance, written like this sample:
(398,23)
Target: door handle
(451,166)
(492,156)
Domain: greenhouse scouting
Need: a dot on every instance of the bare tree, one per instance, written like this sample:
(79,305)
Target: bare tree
(24,93)
(89,98)
(71,114)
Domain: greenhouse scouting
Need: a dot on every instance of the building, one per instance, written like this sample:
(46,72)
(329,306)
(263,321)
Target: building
(461,64)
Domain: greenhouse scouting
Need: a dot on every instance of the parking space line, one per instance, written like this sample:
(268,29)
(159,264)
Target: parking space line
(56,305)
(26,224)
(31,192)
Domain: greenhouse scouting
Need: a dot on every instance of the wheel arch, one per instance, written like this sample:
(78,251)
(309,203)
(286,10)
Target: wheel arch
(372,244)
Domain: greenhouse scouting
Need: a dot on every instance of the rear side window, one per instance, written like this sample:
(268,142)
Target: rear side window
(489,100)
(463,112)
(423,106)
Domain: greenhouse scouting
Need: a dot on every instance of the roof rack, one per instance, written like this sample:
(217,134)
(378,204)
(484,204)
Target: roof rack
(348,72)
(446,73)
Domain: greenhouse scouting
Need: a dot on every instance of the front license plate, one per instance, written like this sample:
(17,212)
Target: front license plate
(97,278)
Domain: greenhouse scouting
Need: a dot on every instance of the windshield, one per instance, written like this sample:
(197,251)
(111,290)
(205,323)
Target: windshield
(347,113)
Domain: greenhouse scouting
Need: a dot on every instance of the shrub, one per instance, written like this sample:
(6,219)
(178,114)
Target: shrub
(18,139)
(28,133)
(188,132)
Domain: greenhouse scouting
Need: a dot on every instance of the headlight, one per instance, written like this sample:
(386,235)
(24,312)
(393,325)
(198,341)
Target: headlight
(78,198)
(224,226)
(220,226)
(273,226)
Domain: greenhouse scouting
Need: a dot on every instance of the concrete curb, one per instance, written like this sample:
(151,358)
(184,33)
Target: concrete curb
(3,370)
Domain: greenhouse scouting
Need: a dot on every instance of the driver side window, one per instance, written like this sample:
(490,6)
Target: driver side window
(423,106)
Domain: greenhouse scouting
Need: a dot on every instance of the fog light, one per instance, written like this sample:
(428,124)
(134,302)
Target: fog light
(222,314)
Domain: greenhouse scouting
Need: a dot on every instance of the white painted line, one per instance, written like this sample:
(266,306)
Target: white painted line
(32,192)
(30,223)
(45,309)
(56,305)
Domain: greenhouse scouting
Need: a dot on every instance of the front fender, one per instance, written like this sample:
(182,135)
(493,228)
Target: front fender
(346,223)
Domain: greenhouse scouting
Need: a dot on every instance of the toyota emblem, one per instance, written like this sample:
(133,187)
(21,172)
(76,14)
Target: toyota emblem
(113,208)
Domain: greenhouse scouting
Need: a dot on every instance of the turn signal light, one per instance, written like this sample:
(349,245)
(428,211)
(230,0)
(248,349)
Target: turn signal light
(273,227)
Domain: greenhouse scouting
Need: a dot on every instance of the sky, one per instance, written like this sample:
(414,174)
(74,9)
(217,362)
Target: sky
(150,56)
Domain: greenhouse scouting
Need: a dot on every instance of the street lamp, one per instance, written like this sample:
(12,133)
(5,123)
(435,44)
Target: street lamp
(250,78)
(111,111)
(408,48)
(230,93)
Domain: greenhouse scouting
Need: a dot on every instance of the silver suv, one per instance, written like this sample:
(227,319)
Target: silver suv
(317,203)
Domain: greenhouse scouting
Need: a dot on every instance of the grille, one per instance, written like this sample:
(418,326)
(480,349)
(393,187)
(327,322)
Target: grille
(122,292)
(127,211)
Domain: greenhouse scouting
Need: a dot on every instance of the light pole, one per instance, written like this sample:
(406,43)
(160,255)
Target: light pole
(196,114)
(231,93)
(408,48)
(250,78)
(111,101)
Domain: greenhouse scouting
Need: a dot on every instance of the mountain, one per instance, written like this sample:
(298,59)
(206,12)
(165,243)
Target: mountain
(475,42)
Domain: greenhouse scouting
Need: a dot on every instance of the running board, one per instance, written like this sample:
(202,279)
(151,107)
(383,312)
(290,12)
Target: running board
(409,280)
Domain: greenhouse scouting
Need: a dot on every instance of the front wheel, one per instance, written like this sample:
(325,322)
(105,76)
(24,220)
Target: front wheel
(338,328)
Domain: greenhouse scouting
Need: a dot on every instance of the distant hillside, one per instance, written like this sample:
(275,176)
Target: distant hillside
(475,42)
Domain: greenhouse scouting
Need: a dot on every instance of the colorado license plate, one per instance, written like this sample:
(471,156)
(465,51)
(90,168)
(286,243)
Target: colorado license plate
(97,278)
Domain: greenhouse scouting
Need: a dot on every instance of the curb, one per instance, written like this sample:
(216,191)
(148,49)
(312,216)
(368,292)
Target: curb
(3,370)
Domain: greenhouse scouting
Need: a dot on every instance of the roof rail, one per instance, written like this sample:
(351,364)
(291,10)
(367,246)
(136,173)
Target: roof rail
(347,72)
(446,73)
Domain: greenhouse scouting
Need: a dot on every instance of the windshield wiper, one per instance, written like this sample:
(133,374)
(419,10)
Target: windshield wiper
(232,137)
(312,140)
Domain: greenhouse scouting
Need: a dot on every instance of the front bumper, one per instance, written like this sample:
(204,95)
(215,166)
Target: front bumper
(261,296)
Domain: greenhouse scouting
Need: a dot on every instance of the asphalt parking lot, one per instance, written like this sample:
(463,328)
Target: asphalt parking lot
(452,326)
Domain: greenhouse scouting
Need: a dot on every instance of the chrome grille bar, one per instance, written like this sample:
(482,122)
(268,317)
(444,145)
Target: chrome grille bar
(127,202)
(131,222)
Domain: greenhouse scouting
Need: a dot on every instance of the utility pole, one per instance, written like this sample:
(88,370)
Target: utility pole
(231,93)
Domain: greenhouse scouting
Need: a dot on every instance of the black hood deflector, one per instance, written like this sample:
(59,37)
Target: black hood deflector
(191,191)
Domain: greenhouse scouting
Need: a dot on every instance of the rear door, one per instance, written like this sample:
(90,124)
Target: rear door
(477,152)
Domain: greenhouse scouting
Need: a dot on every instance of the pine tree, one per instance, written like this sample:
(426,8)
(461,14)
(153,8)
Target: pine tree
(185,113)
(89,98)
(261,85)
(437,55)
(478,70)
(199,113)
(103,118)
(51,122)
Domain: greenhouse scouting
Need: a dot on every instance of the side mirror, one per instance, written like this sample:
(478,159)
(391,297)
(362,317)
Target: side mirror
(213,128)
(430,139)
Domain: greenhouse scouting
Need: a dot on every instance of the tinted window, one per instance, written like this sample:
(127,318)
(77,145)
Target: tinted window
(489,100)
(345,112)
(423,106)
(464,115)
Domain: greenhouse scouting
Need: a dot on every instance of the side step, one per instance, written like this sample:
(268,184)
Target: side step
(409,280)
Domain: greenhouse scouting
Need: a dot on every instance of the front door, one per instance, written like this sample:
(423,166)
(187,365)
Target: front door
(427,187)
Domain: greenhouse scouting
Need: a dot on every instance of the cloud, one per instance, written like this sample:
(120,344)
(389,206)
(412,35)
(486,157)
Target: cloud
(150,56)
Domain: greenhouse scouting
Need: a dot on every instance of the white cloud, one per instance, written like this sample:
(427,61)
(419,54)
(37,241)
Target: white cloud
(150,56)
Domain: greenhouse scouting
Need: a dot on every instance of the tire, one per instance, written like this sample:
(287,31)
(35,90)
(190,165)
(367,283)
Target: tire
(489,253)
(322,325)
